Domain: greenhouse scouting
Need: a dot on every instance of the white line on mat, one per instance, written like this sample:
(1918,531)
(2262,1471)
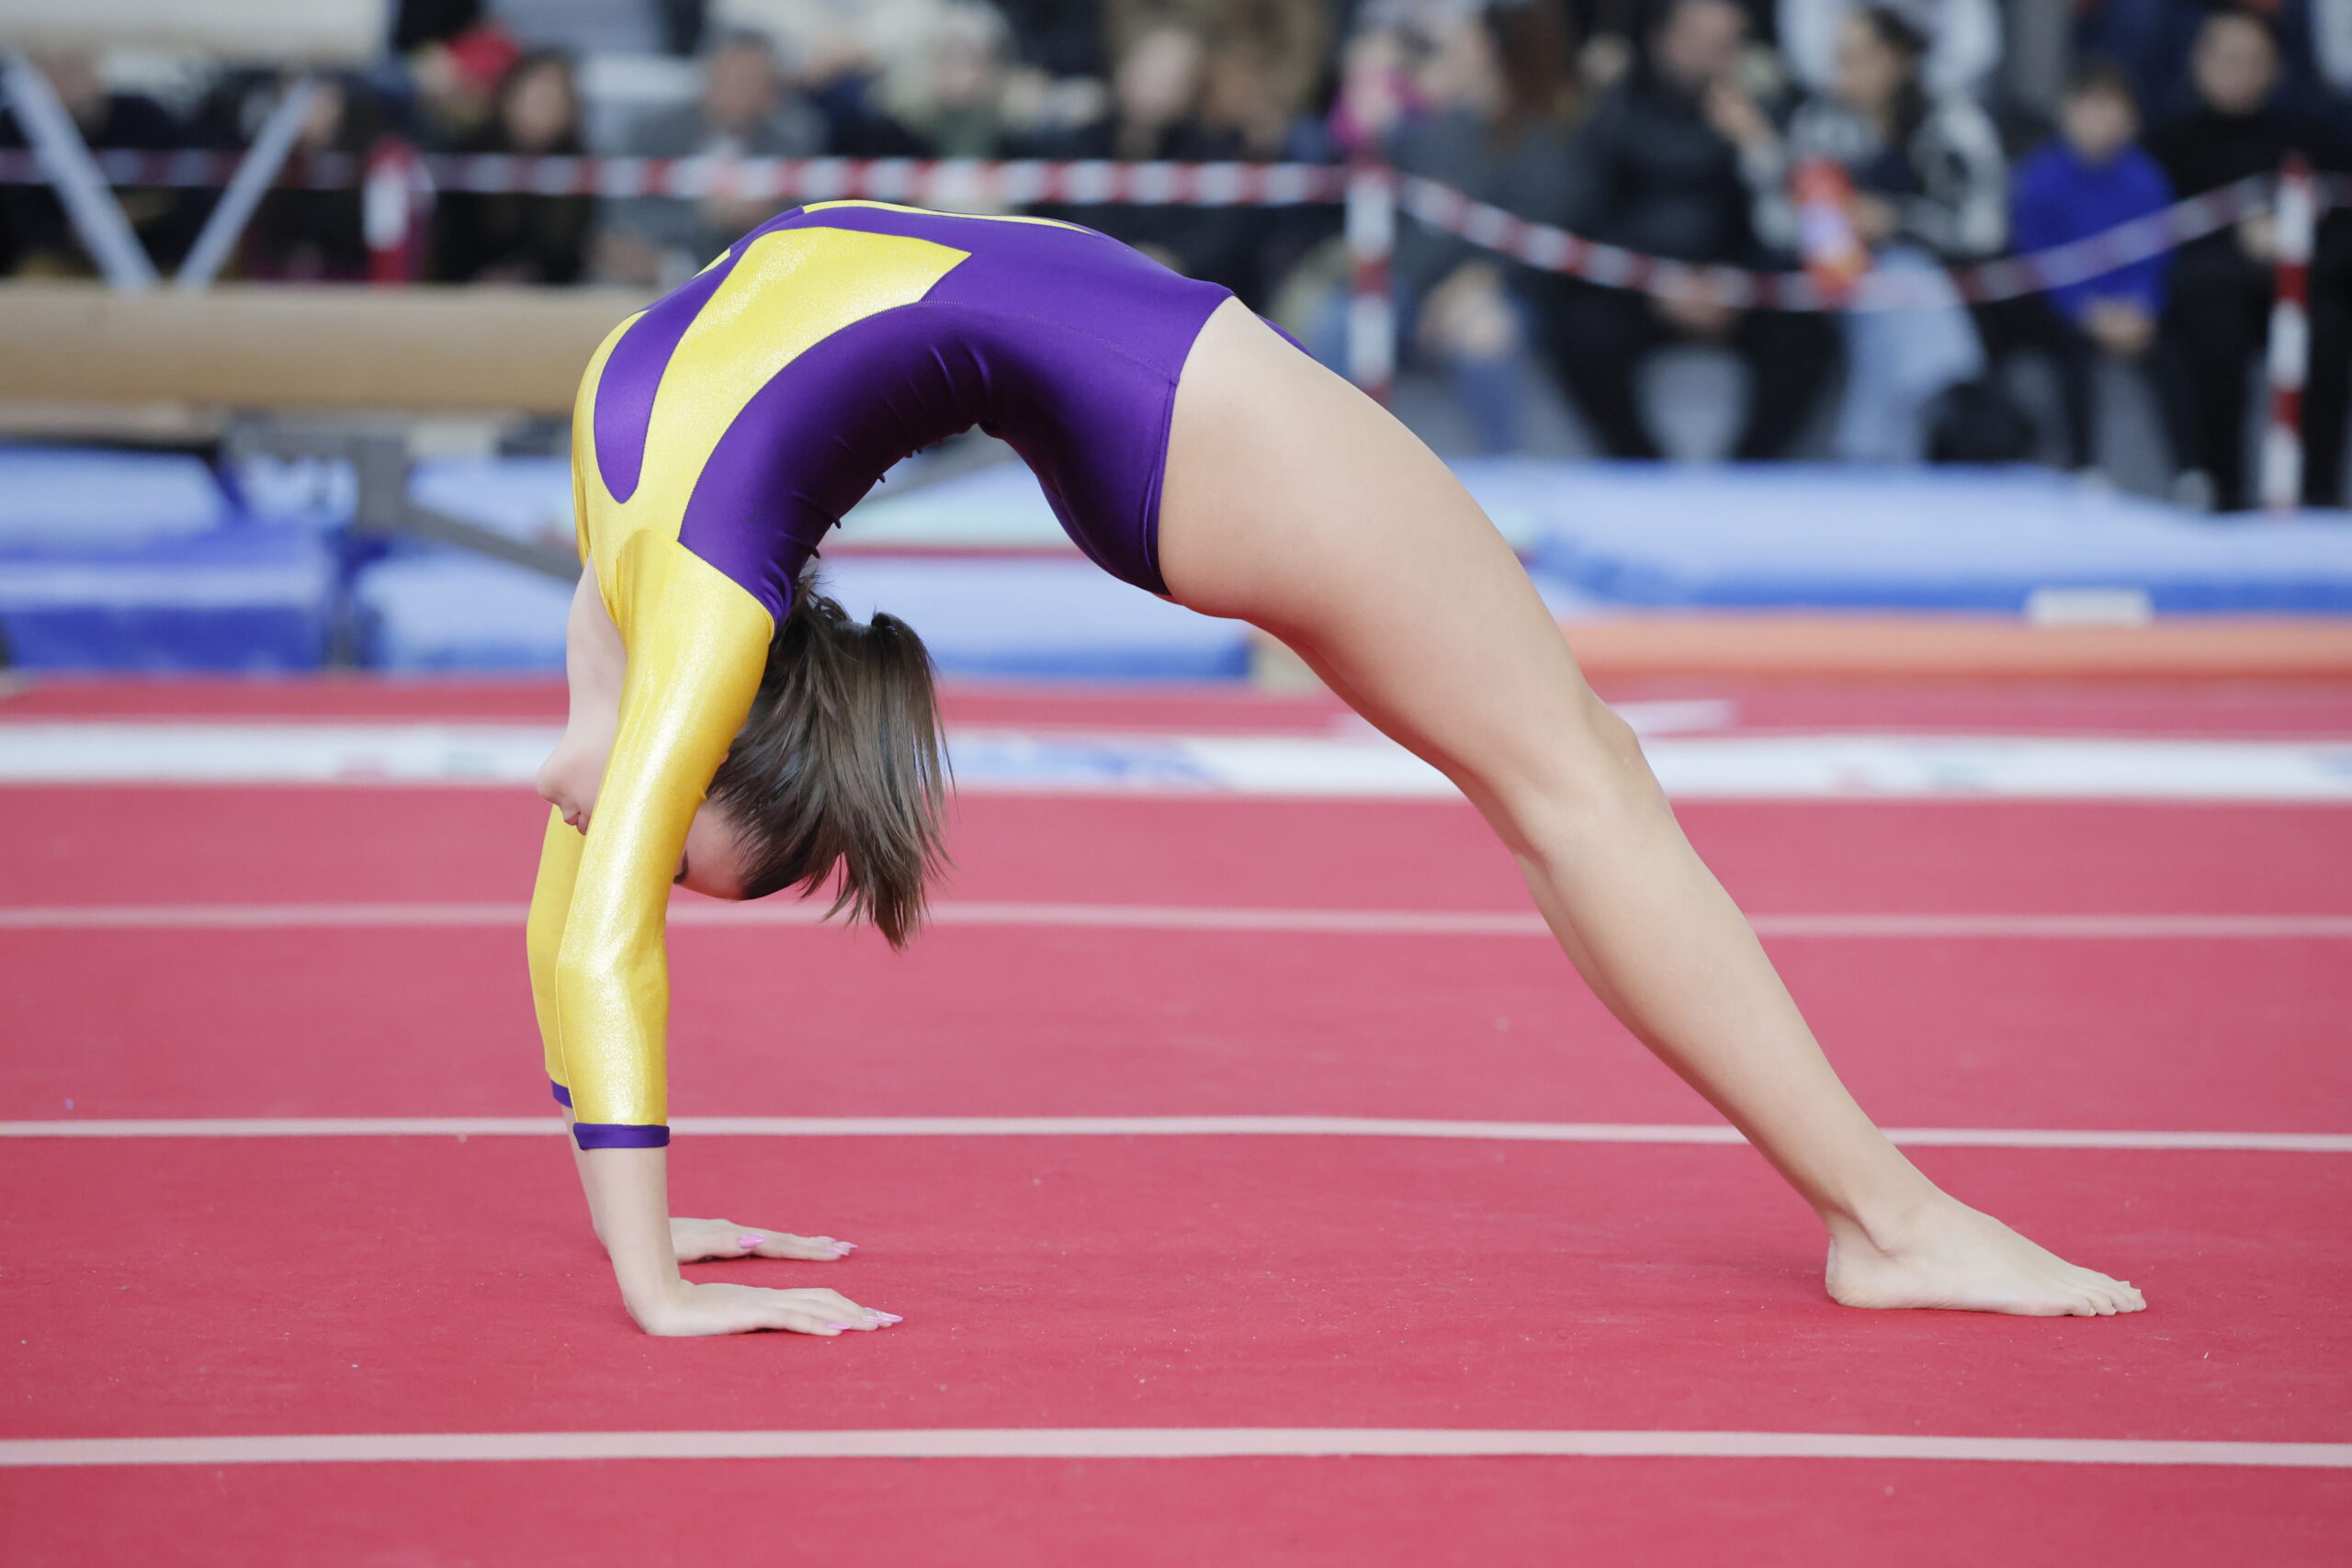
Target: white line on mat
(1174,916)
(1177,1442)
(1155,1126)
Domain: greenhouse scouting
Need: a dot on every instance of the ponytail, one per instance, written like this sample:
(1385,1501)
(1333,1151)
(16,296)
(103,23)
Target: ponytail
(840,770)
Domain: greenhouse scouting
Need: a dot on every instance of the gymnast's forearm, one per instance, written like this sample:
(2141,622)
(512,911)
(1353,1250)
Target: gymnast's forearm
(628,1205)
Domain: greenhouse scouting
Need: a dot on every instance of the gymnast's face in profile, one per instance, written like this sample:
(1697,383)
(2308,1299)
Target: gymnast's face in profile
(711,863)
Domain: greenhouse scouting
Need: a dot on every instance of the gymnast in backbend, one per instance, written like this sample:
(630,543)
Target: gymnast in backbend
(732,731)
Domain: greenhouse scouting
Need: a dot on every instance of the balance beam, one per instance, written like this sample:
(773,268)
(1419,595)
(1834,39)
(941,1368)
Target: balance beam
(298,347)
(246,32)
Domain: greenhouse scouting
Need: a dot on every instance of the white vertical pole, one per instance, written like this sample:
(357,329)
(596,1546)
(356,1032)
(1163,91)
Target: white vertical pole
(1371,241)
(2294,218)
(89,201)
(255,172)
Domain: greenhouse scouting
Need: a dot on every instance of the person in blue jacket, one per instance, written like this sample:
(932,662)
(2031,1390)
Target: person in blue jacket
(2090,177)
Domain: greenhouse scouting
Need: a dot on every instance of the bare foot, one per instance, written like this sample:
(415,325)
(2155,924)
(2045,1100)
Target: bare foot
(1951,1256)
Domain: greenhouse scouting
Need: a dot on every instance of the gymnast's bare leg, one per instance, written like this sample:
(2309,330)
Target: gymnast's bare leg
(1293,502)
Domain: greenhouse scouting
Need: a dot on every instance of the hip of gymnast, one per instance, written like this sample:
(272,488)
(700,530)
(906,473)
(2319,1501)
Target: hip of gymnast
(732,730)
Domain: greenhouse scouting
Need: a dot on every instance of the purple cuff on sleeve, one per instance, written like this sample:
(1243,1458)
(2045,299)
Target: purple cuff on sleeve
(619,1136)
(562,1094)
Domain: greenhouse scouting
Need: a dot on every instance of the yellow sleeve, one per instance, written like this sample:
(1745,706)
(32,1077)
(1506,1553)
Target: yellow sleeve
(543,937)
(697,644)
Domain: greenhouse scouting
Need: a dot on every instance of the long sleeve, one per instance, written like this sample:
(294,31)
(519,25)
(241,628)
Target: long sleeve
(697,644)
(2038,192)
(2143,282)
(543,938)
(646,451)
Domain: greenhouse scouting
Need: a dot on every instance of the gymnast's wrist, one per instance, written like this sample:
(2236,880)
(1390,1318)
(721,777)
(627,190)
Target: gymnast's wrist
(650,1296)
(656,1304)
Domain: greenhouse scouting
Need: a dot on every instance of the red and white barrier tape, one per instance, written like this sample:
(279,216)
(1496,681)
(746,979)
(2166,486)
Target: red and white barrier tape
(1372,308)
(2294,219)
(398,184)
(941,182)
(1556,250)
(951,182)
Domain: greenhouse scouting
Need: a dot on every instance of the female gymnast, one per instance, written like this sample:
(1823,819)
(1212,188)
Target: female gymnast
(732,731)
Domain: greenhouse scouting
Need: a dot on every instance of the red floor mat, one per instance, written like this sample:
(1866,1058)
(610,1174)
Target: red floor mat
(218,1286)
(145,845)
(2234,1036)
(193,1286)
(1514,1513)
(2243,708)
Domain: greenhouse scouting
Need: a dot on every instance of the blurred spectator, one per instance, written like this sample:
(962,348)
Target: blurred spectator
(517,236)
(2153,40)
(1961,37)
(2091,177)
(747,110)
(1929,188)
(455,81)
(948,95)
(1157,91)
(1155,96)
(1493,112)
(2219,318)
(831,41)
(36,236)
(313,236)
(1663,181)
(416,23)
(1061,38)
(1267,58)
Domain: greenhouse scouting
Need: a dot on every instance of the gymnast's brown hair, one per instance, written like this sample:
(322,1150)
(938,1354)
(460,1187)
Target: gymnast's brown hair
(838,772)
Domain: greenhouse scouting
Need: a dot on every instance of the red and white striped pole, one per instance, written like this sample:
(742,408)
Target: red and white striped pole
(1371,240)
(2293,219)
(393,198)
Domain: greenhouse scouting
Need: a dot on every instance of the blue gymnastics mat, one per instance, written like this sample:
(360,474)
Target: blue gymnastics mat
(439,611)
(1001,507)
(443,611)
(1049,619)
(1932,538)
(1057,618)
(139,560)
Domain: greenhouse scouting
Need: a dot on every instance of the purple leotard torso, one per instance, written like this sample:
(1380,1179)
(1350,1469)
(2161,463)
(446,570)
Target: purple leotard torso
(1063,341)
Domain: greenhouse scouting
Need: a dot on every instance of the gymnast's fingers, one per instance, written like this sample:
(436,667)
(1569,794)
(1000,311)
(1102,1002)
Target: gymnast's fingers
(757,1243)
(842,1307)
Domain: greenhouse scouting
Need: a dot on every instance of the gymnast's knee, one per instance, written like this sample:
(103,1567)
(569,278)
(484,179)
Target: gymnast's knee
(1577,779)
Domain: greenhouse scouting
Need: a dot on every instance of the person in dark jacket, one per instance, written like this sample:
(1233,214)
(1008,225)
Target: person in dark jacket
(1491,111)
(747,109)
(1156,93)
(305,235)
(2219,317)
(1665,182)
(2093,176)
(520,236)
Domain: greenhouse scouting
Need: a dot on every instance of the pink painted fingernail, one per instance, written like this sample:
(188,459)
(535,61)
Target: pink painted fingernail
(887,1316)
(844,1248)
(747,1240)
(837,1326)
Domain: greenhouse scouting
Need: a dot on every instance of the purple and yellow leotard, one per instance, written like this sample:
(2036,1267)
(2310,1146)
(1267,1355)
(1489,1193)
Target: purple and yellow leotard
(717,434)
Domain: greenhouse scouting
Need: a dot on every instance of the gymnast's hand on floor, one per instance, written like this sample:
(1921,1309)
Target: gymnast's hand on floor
(687,1309)
(699,1241)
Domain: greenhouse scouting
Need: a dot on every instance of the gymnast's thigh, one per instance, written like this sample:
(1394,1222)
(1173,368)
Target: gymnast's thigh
(1295,502)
